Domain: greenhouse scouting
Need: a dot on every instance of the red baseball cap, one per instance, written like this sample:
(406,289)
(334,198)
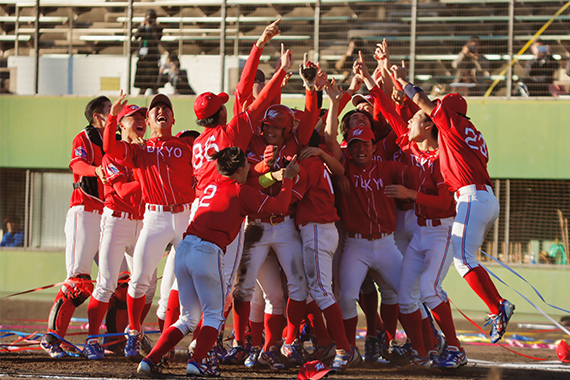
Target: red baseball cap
(359,98)
(208,103)
(160,98)
(313,370)
(361,133)
(131,109)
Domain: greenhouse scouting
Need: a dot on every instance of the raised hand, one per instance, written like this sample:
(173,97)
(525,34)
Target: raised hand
(270,31)
(382,55)
(322,78)
(334,92)
(398,96)
(399,72)
(355,84)
(119,104)
(286,58)
(292,169)
(308,72)
(270,155)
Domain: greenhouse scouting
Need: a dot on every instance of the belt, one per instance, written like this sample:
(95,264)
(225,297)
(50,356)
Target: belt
(374,236)
(470,188)
(274,219)
(89,209)
(174,209)
(124,215)
(428,222)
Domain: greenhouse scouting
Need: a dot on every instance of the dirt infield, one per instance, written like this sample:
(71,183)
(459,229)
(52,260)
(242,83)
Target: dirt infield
(485,361)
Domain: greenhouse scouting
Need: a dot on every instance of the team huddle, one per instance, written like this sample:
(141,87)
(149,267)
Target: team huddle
(271,219)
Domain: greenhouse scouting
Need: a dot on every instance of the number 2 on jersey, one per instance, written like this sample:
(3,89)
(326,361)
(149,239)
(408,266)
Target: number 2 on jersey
(208,194)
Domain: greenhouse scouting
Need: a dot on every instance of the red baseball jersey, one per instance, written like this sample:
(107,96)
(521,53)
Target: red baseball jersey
(462,149)
(237,133)
(367,210)
(434,200)
(317,204)
(84,150)
(163,167)
(118,174)
(225,202)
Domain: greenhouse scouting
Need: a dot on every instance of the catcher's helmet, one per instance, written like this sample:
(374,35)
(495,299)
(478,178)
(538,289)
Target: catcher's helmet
(280,116)
(456,102)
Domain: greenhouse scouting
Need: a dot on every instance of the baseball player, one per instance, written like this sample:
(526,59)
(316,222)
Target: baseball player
(121,224)
(427,258)
(82,224)
(463,159)
(315,218)
(223,205)
(164,169)
(368,216)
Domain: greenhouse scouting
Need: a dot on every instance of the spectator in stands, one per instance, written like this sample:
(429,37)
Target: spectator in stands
(540,70)
(472,69)
(14,237)
(171,73)
(149,35)
(344,64)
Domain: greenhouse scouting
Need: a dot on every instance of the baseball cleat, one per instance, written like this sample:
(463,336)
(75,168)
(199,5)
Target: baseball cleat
(133,344)
(271,359)
(235,355)
(371,349)
(417,361)
(93,351)
(53,349)
(293,353)
(324,353)
(400,355)
(146,367)
(208,367)
(253,357)
(454,358)
(441,342)
(499,322)
(343,359)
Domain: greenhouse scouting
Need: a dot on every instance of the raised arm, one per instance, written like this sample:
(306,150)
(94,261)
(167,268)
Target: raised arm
(331,129)
(313,79)
(334,165)
(382,56)
(414,92)
(110,145)
(247,79)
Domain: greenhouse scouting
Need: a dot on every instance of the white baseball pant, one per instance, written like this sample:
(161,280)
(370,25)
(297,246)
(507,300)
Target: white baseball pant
(477,210)
(118,238)
(426,263)
(82,232)
(159,229)
(285,241)
(381,257)
(406,223)
(201,287)
(319,245)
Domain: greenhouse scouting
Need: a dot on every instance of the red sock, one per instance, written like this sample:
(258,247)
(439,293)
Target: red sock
(160,324)
(172,308)
(444,318)
(369,305)
(241,318)
(167,341)
(412,324)
(379,323)
(273,323)
(479,280)
(95,313)
(334,319)
(145,311)
(350,329)
(390,317)
(256,333)
(315,315)
(197,329)
(135,307)
(428,334)
(60,323)
(207,338)
(295,314)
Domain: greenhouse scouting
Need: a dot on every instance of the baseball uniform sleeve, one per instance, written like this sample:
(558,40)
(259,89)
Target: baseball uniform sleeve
(386,107)
(245,86)
(82,156)
(309,119)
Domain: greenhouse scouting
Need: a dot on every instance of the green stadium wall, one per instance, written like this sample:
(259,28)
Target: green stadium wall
(527,138)
(22,270)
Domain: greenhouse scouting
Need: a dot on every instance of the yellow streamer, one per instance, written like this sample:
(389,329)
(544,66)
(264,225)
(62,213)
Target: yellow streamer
(516,57)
